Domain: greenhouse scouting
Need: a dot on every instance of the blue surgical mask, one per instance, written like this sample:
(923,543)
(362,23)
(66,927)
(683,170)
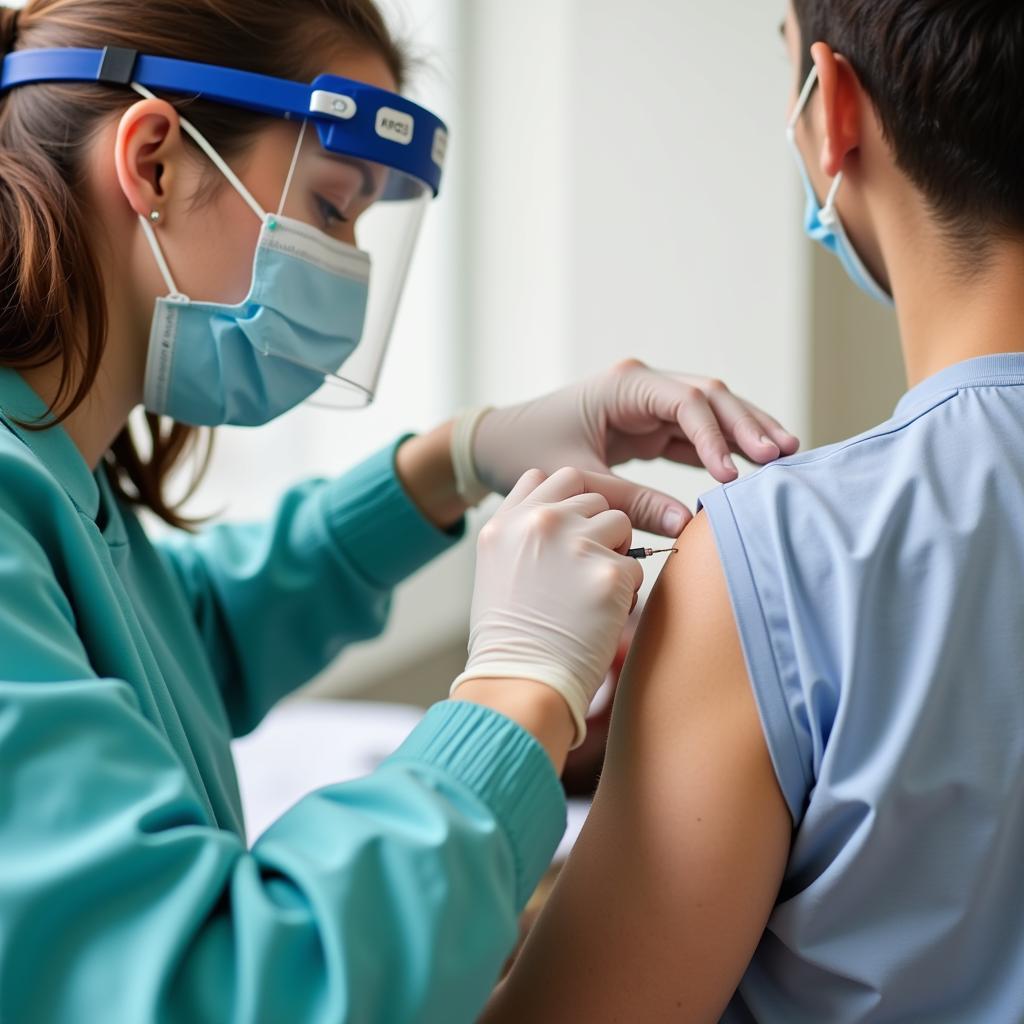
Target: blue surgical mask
(211,364)
(823,223)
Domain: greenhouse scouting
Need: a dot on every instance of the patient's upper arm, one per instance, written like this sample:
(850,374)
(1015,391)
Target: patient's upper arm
(667,893)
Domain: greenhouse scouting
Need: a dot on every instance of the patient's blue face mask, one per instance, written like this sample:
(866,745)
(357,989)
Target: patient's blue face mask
(822,223)
(211,364)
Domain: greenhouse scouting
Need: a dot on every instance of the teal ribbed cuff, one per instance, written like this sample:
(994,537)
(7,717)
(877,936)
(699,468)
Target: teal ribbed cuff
(378,526)
(507,769)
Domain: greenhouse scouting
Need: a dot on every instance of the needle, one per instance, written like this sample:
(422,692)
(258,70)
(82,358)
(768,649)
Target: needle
(640,553)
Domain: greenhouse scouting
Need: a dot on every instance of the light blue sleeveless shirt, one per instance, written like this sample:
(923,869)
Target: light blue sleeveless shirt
(878,587)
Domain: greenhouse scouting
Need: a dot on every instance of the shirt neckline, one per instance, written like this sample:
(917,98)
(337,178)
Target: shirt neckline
(1005,369)
(52,446)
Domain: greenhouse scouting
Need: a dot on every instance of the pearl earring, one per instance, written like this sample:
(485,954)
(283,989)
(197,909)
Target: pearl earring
(155,216)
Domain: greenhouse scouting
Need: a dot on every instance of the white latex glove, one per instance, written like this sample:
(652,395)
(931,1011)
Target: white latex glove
(552,590)
(629,412)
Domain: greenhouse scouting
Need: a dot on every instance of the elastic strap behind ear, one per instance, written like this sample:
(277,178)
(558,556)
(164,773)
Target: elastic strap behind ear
(161,260)
(218,161)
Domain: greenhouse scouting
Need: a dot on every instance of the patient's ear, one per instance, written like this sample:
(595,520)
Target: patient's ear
(842,98)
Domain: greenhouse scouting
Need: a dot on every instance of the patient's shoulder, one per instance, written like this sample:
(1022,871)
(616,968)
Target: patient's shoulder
(792,526)
(809,548)
(687,637)
(837,491)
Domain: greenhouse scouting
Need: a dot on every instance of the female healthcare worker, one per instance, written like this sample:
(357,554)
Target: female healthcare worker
(127,893)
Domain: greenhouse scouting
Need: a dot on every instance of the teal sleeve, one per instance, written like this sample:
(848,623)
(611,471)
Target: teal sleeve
(275,603)
(392,899)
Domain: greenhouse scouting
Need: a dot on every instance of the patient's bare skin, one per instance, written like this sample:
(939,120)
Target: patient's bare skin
(664,900)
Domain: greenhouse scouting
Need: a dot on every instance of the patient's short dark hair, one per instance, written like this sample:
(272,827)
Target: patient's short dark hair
(947,80)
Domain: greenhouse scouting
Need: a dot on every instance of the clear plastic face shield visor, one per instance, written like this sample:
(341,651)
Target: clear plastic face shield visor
(335,249)
(378,212)
(360,166)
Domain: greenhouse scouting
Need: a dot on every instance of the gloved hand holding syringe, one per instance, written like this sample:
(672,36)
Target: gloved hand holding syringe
(555,584)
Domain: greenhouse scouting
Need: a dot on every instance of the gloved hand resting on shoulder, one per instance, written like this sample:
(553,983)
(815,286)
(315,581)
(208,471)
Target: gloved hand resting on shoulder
(629,412)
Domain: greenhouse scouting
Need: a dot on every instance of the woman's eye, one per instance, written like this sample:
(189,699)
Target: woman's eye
(329,212)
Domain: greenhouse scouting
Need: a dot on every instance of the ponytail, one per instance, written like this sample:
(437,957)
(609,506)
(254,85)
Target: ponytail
(52,307)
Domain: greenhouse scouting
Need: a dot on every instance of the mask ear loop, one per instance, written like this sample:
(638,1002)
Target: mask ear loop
(161,261)
(803,100)
(218,161)
(828,214)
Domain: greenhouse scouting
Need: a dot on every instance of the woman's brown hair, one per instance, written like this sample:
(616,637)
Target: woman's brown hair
(51,290)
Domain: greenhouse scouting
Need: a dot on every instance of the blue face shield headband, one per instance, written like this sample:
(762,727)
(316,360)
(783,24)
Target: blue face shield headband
(823,223)
(313,320)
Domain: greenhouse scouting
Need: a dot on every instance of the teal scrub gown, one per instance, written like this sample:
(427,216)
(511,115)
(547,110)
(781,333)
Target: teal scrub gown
(127,891)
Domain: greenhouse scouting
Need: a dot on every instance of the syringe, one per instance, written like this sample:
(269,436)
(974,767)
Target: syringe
(640,553)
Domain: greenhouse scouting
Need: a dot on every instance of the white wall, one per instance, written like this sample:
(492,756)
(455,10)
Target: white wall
(685,214)
(633,195)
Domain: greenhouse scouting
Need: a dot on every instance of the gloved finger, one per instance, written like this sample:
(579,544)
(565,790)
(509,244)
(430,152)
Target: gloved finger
(683,453)
(651,396)
(700,424)
(647,399)
(566,483)
(678,401)
(679,449)
(611,528)
(746,429)
(526,485)
(773,430)
(646,445)
(631,568)
(754,433)
(788,444)
(636,571)
(586,505)
(648,510)
(740,422)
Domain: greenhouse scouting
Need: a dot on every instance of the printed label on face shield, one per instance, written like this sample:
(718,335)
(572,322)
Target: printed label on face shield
(440,146)
(395,125)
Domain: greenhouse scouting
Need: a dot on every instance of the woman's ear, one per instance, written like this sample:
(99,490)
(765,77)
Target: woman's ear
(148,155)
(841,96)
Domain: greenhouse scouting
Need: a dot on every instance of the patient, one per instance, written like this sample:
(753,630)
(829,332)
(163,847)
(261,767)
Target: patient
(813,803)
